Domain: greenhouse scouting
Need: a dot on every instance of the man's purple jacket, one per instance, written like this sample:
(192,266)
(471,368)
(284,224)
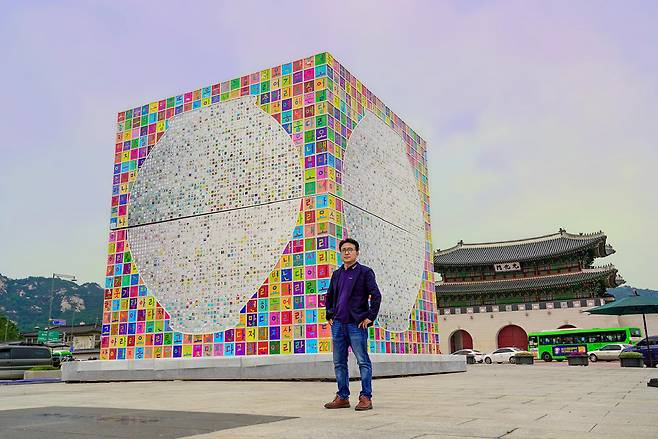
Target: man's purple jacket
(363,287)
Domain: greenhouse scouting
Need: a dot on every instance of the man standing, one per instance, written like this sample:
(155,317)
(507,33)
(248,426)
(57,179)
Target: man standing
(352,305)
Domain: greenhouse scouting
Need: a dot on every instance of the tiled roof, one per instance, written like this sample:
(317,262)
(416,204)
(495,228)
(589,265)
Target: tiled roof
(522,250)
(609,273)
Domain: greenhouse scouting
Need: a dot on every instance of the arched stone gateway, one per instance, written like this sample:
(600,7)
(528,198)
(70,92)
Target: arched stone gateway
(512,336)
(567,326)
(460,339)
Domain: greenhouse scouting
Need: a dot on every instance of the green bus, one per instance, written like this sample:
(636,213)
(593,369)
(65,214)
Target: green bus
(557,344)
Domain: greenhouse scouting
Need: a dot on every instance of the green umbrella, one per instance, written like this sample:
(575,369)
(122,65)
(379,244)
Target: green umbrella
(628,305)
(631,305)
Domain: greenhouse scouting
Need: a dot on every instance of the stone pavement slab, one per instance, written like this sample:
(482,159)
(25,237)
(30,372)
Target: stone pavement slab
(488,401)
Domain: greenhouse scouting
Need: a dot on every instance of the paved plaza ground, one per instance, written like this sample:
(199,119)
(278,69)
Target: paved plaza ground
(489,401)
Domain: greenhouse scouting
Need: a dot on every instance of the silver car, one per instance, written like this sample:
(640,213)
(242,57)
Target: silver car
(16,359)
(477,354)
(607,353)
(502,355)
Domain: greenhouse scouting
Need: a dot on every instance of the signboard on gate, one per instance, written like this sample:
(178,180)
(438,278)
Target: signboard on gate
(507,266)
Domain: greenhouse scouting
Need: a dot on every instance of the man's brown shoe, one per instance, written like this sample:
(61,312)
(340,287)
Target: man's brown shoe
(365,403)
(338,403)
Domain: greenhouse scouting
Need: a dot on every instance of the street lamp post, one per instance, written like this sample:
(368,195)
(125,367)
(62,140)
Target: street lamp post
(52,289)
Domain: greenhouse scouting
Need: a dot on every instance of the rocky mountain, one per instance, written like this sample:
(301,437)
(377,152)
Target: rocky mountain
(26,301)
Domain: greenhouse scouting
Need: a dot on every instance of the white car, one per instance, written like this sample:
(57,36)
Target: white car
(479,356)
(502,355)
(607,353)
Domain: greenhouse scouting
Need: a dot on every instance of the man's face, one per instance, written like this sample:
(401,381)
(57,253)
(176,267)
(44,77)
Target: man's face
(349,253)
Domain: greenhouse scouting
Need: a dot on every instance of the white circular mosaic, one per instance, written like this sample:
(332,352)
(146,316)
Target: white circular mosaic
(384,213)
(211,211)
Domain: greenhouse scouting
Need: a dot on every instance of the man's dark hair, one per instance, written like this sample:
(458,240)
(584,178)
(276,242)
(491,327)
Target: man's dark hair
(348,241)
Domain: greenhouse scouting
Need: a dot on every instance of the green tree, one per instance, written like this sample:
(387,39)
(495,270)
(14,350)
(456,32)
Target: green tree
(8,330)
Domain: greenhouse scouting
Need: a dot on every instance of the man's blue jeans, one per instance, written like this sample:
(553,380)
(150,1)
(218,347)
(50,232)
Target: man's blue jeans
(346,335)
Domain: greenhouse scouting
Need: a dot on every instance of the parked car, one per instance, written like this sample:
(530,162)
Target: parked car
(479,357)
(608,353)
(16,359)
(502,355)
(641,347)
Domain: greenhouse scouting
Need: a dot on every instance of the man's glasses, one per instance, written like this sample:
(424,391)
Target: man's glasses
(348,250)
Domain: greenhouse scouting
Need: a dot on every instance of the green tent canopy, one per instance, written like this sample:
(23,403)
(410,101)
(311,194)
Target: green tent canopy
(628,305)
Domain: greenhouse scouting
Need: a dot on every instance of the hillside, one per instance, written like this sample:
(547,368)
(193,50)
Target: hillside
(26,301)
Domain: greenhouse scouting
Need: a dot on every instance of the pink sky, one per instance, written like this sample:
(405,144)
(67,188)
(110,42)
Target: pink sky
(537,116)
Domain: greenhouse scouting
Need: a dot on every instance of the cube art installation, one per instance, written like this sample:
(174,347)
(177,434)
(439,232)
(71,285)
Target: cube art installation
(228,204)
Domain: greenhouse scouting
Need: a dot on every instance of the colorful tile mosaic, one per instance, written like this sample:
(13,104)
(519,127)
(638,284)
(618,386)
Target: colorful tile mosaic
(212,211)
(383,209)
(318,104)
